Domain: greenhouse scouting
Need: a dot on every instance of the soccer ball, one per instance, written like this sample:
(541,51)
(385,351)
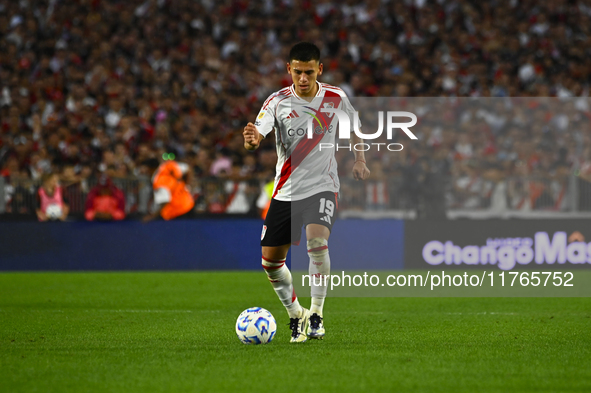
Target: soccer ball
(256,325)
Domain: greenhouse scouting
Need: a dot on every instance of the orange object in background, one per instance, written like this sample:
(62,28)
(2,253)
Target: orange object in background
(170,176)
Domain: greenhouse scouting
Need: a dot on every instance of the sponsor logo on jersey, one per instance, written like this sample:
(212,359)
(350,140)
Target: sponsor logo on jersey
(293,132)
(316,115)
(261,115)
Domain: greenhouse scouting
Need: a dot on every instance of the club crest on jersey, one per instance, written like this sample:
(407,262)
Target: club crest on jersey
(263,232)
(329,105)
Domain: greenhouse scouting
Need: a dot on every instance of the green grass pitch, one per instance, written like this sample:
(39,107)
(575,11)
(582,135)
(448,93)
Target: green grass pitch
(174,332)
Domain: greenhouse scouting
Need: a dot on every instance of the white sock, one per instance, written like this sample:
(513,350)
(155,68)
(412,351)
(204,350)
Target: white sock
(280,278)
(319,271)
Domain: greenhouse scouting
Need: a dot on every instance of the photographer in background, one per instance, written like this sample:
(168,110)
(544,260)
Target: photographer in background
(172,197)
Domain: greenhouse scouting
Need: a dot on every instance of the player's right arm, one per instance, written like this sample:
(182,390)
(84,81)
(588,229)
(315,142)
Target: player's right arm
(264,124)
(252,137)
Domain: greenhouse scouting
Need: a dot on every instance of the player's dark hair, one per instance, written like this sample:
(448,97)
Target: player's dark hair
(304,51)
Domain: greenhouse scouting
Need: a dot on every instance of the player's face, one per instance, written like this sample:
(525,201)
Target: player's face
(304,75)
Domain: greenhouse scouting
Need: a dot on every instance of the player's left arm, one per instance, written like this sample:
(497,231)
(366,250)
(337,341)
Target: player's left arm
(360,170)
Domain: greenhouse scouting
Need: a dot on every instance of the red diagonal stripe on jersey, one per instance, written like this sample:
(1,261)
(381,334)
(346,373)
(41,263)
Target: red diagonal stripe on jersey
(285,173)
(306,145)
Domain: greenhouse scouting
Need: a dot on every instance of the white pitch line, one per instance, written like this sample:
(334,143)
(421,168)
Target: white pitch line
(481,313)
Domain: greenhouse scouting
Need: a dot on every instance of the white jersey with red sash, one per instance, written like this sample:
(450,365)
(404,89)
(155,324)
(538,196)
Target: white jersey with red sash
(303,169)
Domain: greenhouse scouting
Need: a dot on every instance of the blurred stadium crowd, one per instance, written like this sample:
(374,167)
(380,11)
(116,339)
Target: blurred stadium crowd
(94,87)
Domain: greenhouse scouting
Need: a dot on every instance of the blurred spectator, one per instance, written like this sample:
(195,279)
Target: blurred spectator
(51,204)
(241,194)
(377,196)
(74,186)
(105,202)
(470,188)
(221,166)
(434,188)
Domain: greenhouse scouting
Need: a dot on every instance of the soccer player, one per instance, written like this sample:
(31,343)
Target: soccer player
(306,182)
(171,195)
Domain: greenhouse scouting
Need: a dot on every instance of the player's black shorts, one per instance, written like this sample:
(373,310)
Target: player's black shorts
(284,221)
